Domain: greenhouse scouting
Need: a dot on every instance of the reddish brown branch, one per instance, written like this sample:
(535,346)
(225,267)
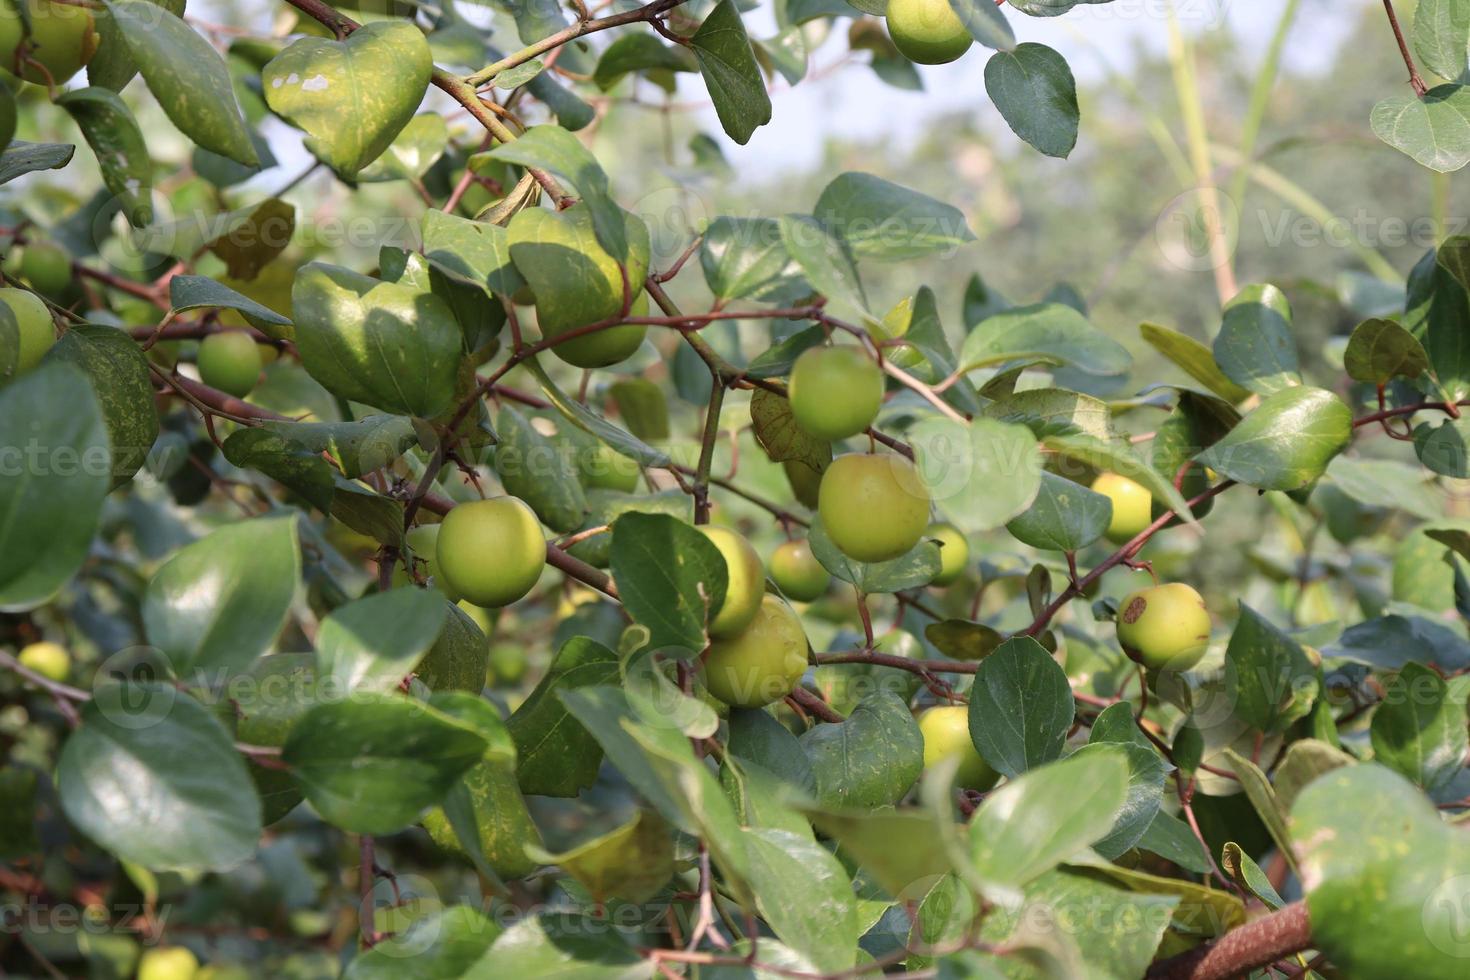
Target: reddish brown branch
(1256,944)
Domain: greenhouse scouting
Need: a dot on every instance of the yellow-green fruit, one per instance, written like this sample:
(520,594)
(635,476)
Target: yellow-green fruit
(874,507)
(1132,506)
(607,468)
(229,361)
(50,660)
(835,392)
(37,329)
(47,268)
(946,732)
(954,552)
(507,666)
(745,586)
(491,552)
(167,963)
(63,39)
(797,572)
(762,664)
(927,31)
(1164,627)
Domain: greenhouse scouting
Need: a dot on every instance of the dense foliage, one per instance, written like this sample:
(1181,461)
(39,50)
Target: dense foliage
(538,580)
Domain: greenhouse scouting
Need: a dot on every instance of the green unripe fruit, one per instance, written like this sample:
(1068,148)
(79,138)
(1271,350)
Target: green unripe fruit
(604,347)
(835,392)
(797,572)
(37,329)
(946,732)
(928,32)
(762,664)
(167,963)
(50,660)
(873,506)
(63,38)
(507,666)
(954,552)
(229,361)
(1132,506)
(608,469)
(491,552)
(1164,627)
(47,268)
(746,584)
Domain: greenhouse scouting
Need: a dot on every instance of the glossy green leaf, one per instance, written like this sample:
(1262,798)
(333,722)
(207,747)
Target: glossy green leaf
(254,241)
(1255,347)
(803,893)
(1419,730)
(825,259)
(1268,674)
(555,755)
(639,52)
(554,149)
(779,435)
(564,944)
(1437,312)
(575,281)
(122,155)
(1286,442)
(531,467)
(1433,128)
(358,447)
(1441,36)
(910,571)
(744,257)
(113,66)
(1388,484)
(882,220)
(268,699)
(730,72)
(632,862)
(200,292)
(418,146)
(1195,358)
(21,158)
(218,603)
(1065,516)
(901,848)
(871,759)
(1380,350)
(986,23)
(118,372)
(441,945)
(642,407)
(54,478)
(1244,871)
(163,788)
(1050,332)
(1032,87)
(187,77)
(372,644)
(351,97)
(1021,707)
(954,458)
(1146,773)
(670,578)
(472,250)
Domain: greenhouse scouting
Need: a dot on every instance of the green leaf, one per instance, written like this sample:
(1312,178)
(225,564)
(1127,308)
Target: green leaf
(352,97)
(375,763)
(122,155)
(963,640)
(1195,358)
(1248,875)
(1374,850)
(1433,128)
(632,862)
(372,644)
(1021,707)
(441,945)
(380,343)
(1286,442)
(1305,760)
(744,257)
(776,430)
(113,65)
(21,158)
(564,944)
(417,147)
(200,292)
(1441,36)
(804,895)
(359,447)
(118,371)
(531,466)
(1263,798)
(555,755)
(51,494)
(824,257)
(1268,674)
(187,77)
(1255,347)
(163,788)
(1388,484)
(730,72)
(1380,350)
(472,250)
(1146,771)
(670,578)
(218,603)
(1050,332)
(639,52)
(558,151)
(1035,822)
(911,571)
(1419,730)
(954,458)
(1065,516)
(1171,839)
(269,698)
(985,23)
(642,407)
(882,220)
(871,759)
(1032,87)
(254,241)
(588,421)
(1438,313)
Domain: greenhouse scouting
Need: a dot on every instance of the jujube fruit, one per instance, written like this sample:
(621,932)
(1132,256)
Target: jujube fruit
(797,572)
(50,660)
(605,467)
(1164,627)
(835,392)
(946,731)
(874,507)
(954,552)
(1132,506)
(491,552)
(47,268)
(167,963)
(745,585)
(37,329)
(63,39)
(928,32)
(229,361)
(763,663)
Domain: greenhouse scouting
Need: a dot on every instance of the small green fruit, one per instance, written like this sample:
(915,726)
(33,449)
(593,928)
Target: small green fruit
(491,552)
(37,329)
(167,963)
(928,32)
(762,664)
(229,361)
(797,572)
(954,552)
(606,468)
(835,392)
(1164,627)
(50,660)
(47,268)
(63,39)
(946,732)
(507,666)
(746,584)
(1132,506)
(873,506)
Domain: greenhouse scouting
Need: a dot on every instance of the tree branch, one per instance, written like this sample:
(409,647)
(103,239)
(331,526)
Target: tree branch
(643,14)
(1238,952)
(1415,80)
